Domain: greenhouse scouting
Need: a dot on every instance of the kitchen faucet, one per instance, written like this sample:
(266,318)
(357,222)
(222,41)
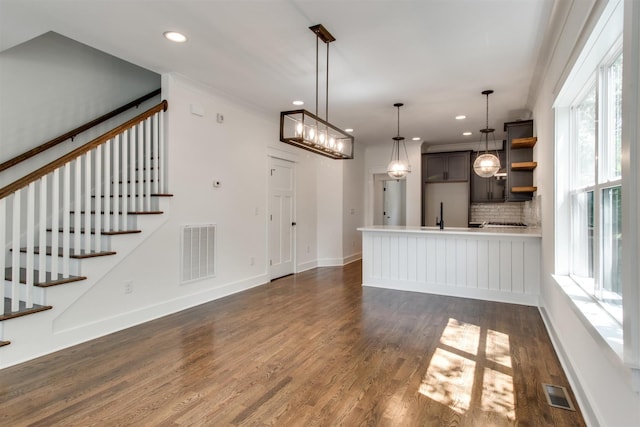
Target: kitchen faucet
(441,222)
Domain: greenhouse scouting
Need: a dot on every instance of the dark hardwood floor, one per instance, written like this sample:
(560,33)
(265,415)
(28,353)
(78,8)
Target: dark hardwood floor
(310,349)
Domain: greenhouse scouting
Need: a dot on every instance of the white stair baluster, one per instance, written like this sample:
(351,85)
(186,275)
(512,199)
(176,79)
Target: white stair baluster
(125,178)
(140,169)
(133,140)
(162,164)
(31,205)
(154,154)
(55,222)
(77,205)
(97,192)
(42,237)
(66,221)
(88,188)
(147,164)
(116,187)
(106,179)
(15,255)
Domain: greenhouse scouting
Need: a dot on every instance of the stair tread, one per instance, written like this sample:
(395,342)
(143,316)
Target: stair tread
(83,253)
(129,195)
(22,310)
(8,275)
(121,213)
(3,343)
(103,232)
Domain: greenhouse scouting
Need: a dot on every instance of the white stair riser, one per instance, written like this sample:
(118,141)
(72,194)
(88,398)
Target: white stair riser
(133,203)
(104,241)
(36,292)
(74,264)
(125,222)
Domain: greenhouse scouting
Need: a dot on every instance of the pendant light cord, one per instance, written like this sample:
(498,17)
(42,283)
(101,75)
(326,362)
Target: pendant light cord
(398,146)
(326,111)
(326,115)
(486,135)
(317,71)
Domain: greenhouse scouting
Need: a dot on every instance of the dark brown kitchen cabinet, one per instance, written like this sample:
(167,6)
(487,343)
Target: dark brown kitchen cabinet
(446,167)
(486,190)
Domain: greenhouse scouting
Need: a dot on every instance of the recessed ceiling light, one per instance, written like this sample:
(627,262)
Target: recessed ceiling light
(175,36)
(461,117)
(466,133)
(298,102)
(416,138)
(348,130)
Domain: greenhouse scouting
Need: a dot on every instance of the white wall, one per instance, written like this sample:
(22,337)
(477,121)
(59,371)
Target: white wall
(52,84)
(330,207)
(599,376)
(306,213)
(353,205)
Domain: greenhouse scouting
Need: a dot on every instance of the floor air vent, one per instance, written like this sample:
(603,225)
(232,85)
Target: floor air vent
(557,397)
(198,252)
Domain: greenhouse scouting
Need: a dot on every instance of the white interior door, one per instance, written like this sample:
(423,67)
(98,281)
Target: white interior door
(281,217)
(394,202)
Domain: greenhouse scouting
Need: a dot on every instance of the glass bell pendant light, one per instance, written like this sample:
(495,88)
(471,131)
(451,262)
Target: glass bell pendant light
(398,168)
(486,165)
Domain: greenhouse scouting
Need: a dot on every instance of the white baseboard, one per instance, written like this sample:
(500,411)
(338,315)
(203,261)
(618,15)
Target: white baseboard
(306,266)
(582,398)
(330,262)
(352,258)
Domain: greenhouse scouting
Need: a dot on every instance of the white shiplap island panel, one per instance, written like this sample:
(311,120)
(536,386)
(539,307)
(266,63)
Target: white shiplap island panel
(498,265)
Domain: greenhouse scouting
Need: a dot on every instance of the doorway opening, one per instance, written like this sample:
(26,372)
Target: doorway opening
(390,200)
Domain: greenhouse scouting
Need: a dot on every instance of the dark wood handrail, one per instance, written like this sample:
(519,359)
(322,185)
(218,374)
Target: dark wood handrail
(50,167)
(73,133)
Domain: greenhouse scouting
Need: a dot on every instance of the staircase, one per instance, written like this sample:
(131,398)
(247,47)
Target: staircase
(64,221)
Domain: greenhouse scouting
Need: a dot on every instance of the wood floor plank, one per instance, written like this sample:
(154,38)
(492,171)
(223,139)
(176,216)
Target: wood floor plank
(312,349)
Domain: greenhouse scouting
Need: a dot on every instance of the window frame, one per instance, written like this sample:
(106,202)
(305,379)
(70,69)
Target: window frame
(600,81)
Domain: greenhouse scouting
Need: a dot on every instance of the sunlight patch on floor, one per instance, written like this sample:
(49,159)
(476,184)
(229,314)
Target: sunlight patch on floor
(471,352)
(462,336)
(449,380)
(497,348)
(497,394)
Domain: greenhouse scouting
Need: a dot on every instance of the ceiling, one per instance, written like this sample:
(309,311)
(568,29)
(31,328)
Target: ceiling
(435,56)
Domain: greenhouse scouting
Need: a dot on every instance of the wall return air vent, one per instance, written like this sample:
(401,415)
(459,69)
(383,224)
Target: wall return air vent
(197,260)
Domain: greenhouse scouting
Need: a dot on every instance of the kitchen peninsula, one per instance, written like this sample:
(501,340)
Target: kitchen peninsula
(491,264)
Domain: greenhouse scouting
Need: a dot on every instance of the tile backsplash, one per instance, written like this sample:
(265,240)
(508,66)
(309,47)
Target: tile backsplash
(527,212)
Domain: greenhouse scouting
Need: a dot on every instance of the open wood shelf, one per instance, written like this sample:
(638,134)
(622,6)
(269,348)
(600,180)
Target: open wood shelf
(524,142)
(523,166)
(531,189)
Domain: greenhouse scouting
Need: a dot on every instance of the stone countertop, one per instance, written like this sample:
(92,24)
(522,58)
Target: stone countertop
(502,231)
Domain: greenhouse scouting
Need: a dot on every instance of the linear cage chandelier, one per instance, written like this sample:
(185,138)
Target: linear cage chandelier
(486,165)
(308,131)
